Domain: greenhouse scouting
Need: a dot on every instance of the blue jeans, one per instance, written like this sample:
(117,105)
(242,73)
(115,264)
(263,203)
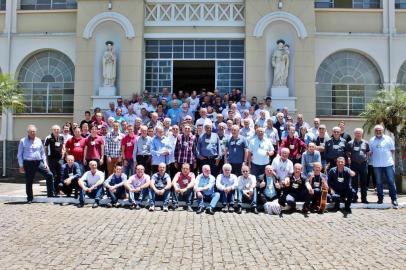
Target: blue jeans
(138,197)
(253,198)
(120,193)
(214,198)
(96,194)
(129,169)
(187,196)
(390,176)
(227,199)
(152,197)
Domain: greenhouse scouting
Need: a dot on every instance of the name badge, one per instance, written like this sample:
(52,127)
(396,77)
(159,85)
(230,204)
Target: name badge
(185,181)
(356,148)
(247,185)
(295,185)
(70,175)
(316,184)
(129,144)
(282,128)
(233,143)
(77,144)
(99,126)
(340,179)
(322,144)
(207,140)
(115,139)
(57,144)
(336,147)
(185,144)
(144,147)
(92,143)
(291,146)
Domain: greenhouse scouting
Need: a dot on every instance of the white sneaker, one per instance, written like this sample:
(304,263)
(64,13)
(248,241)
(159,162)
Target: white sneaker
(152,208)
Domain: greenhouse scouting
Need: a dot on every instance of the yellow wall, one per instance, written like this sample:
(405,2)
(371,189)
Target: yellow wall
(197,29)
(347,20)
(131,61)
(256,55)
(42,123)
(401,21)
(2,21)
(40,21)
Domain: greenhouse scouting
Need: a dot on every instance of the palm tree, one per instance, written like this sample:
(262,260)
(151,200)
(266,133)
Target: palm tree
(10,94)
(388,108)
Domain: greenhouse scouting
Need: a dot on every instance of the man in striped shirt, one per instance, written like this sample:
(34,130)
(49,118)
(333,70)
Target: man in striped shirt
(185,144)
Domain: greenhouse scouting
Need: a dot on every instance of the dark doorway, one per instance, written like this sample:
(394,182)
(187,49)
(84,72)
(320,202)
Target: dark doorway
(193,75)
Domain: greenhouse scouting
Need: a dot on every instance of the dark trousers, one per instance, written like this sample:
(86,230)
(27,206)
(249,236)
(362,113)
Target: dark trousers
(361,176)
(30,168)
(146,162)
(342,195)
(298,195)
(212,163)
(55,168)
(371,176)
(257,169)
(236,168)
(316,197)
(68,189)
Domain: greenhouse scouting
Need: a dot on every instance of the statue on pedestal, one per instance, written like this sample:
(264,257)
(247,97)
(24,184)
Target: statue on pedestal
(109,65)
(280,64)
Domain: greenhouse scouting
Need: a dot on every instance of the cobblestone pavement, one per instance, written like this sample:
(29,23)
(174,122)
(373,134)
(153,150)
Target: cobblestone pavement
(47,236)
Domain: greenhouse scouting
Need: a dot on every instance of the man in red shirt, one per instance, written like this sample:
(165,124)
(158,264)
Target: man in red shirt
(294,144)
(127,150)
(75,146)
(94,148)
(99,123)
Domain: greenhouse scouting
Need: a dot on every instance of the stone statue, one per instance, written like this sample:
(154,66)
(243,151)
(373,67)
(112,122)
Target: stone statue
(109,65)
(280,64)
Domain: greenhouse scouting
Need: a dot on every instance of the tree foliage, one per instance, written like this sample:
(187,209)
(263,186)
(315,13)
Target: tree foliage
(10,94)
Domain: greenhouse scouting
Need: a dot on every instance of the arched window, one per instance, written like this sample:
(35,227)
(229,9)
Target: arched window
(402,76)
(47,79)
(346,81)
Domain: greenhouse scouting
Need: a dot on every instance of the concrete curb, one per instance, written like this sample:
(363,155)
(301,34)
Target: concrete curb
(65,200)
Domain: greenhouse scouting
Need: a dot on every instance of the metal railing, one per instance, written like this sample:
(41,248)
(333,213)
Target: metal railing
(47,4)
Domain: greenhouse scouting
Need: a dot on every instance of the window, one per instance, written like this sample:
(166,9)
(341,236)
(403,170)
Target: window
(402,76)
(400,4)
(347,4)
(47,4)
(3,4)
(47,79)
(346,81)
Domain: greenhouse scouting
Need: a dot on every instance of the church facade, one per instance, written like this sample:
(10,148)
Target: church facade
(340,53)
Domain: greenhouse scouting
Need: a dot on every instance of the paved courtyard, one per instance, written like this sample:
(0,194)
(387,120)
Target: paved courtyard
(48,236)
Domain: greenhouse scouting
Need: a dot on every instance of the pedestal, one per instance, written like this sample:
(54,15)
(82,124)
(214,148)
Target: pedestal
(280,98)
(102,102)
(107,91)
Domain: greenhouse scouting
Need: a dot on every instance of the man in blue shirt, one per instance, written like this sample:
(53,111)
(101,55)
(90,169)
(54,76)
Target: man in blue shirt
(162,149)
(70,174)
(31,158)
(208,149)
(204,188)
(174,113)
(115,185)
(236,150)
(339,182)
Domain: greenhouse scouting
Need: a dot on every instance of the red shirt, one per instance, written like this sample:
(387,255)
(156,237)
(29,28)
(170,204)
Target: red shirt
(94,147)
(128,143)
(76,147)
(183,181)
(295,145)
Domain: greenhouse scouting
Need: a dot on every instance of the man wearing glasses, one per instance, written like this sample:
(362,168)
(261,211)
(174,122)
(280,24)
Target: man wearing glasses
(382,149)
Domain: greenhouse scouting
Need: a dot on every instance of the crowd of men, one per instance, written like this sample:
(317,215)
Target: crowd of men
(209,148)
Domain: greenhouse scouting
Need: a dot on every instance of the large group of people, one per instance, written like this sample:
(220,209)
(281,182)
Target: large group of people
(209,148)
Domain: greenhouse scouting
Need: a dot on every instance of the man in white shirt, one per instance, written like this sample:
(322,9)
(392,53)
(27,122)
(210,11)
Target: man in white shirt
(139,105)
(382,149)
(260,150)
(247,189)
(282,166)
(91,184)
(226,184)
